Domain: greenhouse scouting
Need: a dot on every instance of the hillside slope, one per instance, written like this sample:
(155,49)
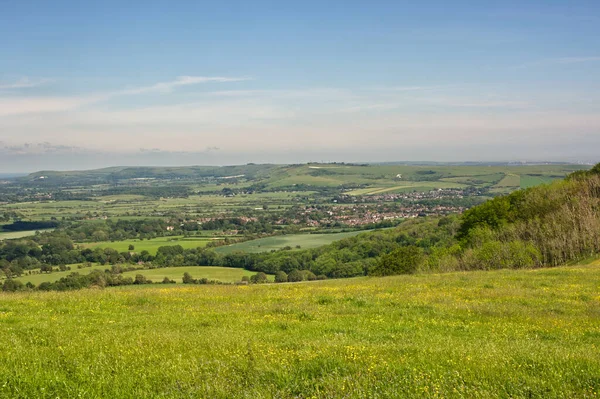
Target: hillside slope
(513,334)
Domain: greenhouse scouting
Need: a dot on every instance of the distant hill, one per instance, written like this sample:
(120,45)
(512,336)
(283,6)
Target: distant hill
(364,179)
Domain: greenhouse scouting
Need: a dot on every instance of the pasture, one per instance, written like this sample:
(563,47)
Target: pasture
(39,278)
(522,334)
(223,274)
(150,245)
(291,240)
(9,235)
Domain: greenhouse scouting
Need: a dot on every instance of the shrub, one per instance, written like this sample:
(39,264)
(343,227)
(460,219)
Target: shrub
(404,260)
(259,278)
(140,279)
(188,279)
(295,275)
(11,285)
(281,277)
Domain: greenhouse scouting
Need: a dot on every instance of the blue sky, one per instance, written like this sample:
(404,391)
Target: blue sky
(86,84)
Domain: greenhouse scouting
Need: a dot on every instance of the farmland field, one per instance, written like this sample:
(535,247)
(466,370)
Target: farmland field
(37,279)
(532,181)
(489,334)
(277,242)
(224,274)
(18,234)
(150,245)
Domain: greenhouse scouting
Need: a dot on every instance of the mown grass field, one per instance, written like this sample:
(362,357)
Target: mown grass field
(37,279)
(150,245)
(5,235)
(277,242)
(224,274)
(520,334)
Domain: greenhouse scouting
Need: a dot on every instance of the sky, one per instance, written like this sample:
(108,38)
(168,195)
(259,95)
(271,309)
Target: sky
(94,84)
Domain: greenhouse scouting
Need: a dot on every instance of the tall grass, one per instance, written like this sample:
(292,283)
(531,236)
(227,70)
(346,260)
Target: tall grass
(507,333)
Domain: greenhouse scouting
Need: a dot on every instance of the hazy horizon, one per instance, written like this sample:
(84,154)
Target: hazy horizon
(89,85)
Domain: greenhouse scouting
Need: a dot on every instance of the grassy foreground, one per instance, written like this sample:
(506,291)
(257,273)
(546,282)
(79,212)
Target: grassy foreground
(474,335)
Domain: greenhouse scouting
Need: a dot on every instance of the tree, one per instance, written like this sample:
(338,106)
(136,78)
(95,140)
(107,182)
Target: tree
(131,247)
(404,260)
(188,279)
(11,285)
(295,275)
(281,277)
(259,278)
(140,279)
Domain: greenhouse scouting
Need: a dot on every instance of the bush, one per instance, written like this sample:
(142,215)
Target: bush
(259,278)
(295,276)
(308,275)
(281,277)
(404,260)
(141,279)
(11,285)
(188,279)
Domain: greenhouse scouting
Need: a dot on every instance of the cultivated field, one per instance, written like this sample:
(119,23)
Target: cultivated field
(525,334)
(291,240)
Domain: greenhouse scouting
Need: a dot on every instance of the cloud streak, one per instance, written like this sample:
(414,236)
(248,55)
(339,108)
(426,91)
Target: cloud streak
(180,81)
(29,105)
(24,83)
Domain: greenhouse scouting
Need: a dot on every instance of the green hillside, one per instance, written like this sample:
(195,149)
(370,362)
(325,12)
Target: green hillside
(513,334)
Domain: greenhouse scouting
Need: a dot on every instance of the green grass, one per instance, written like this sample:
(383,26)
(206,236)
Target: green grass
(224,274)
(39,278)
(278,242)
(150,245)
(19,234)
(519,334)
(532,181)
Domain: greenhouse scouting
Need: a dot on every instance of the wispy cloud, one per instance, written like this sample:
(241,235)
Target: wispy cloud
(25,105)
(180,81)
(24,83)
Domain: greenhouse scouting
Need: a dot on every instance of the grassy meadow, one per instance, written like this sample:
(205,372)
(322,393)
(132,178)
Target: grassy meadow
(292,240)
(520,334)
(37,279)
(224,274)
(10,235)
(150,245)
